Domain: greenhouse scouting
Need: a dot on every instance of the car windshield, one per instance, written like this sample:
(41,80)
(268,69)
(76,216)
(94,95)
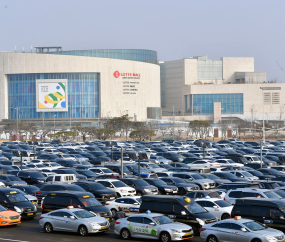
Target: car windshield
(16,197)
(223,203)
(13,178)
(71,172)
(54,164)
(271,194)
(37,175)
(106,171)
(280,193)
(2,209)
(119,184)
(255,158)
(254,226)
(88,173)
(159,182)
(90,202)
(197,176)
(256,173)
(83,214)
(247,174)
(97,186)
(40,165)
(162,220)
(141,183)
(153,165)
(178,180)
(229,175)
(210,176)
(139,200)
(195,208)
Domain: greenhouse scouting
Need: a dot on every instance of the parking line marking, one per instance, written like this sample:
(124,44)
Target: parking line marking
(13,240)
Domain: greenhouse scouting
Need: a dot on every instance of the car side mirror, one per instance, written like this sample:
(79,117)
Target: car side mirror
(111,186)
(241,176)
(5,201)
(282,217)
(215,206)
(243,229)
(72,217)
(183,213)
(152,223)
(136,204)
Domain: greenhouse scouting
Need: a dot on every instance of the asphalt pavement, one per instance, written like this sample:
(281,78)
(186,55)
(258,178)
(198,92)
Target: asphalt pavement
(30,231)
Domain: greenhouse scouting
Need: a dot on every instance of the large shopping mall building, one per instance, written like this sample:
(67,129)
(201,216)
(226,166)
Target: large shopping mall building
(86,86)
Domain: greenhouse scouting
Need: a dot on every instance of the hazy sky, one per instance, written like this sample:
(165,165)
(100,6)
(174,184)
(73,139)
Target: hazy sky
(175,29)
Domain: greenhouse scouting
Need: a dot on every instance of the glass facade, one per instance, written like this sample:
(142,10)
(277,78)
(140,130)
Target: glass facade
(123,54)
(204,103)
(162,84)
(209,69)
(83,95)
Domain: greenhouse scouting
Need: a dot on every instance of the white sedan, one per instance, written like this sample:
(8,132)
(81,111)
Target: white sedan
(219,208)
(228,162)
(130,205)
(121,189)
(204,164)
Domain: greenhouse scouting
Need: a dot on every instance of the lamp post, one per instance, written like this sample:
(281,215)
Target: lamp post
(54,124)
(267,89)
(17,122)
(173,122)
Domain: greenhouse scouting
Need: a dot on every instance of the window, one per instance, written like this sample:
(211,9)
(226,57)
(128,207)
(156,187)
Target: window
(236,194)
(178,208)
(199,194)
(225,225)
(258,211)
(137,219)
(236,226)
(241,210)
(250,194)
(84,186)
(57,214)
(201,203)
(64,201)
(66,215)
(275,213)
(164,207)
(147,221)
(57,178)
(191,194)
(209,204)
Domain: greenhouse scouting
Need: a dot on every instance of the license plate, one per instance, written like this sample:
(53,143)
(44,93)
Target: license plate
(105,227)
(174,191)
(30,214)
(14,221)
(188,234)
(34,202)
(108,218)
(112,197)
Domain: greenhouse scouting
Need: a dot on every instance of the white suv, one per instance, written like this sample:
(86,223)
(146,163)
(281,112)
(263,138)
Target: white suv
(232,195)
(121,189)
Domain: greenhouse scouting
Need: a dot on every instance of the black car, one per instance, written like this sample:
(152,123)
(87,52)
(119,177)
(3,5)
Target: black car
(67,163)
(14,200)
(29,189)
(235,185)
(183,187)
(172,156)
(215,178)
(163,188)
(84,200)
(100,192)
(10,180)
(272,172)
(229,176)
(141,186)
(87,173)
(46,188)
(31,177)
(260,175)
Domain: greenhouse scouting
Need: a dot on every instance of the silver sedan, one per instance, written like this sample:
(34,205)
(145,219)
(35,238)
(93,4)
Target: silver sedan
(152,226)
(238,229)
(73,220)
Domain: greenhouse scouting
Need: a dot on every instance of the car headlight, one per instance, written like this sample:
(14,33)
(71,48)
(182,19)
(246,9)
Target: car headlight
(18,210)
(189,188)
(206,184)
(176,230)
(3,217)
(147,190)
(201,222)
(269,238)
(93,224)
(167,189)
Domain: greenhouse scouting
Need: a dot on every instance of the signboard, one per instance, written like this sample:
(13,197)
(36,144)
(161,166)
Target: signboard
(267,98)
(52,95)
(275,98)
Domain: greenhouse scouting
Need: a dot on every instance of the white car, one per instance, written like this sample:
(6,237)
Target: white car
(117,186)
(219,208)
(245,174)
(228,162)
(130,205)
(203,164)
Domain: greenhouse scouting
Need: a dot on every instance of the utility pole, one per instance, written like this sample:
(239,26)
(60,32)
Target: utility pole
(260,153)
(54,124)
(173,122)
(17,123)
(122,172)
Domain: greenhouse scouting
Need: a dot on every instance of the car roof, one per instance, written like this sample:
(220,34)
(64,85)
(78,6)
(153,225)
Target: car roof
(149,214)
(250,189)
(208,199)
(109,180)
(242,220)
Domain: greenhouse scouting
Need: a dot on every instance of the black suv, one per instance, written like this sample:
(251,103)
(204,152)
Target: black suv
(163,188)
(100,192)
(84,200)
(31,177)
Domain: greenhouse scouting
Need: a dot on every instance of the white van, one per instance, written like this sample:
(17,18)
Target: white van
(62,179)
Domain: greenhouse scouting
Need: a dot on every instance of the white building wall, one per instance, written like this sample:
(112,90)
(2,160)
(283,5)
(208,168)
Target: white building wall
(236,64)
(113,101)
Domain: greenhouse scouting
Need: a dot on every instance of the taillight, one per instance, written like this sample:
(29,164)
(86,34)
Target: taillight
(41,218)
(118,222)
(224,198)
(212,165)
(38,192)
(107,203)
(203,229)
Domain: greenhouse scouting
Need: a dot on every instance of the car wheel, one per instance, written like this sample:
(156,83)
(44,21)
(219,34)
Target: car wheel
(48,227)
(256,240)
(125,233)
(225,216)
(83,230)
(212,238)
(165,237)
(113,211)
(139,194)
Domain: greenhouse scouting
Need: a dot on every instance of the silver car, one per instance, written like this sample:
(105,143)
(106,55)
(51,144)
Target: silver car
(152,226)
(238,229)
(73,220)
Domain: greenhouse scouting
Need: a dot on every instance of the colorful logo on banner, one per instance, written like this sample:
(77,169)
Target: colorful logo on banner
(116,74)
(52,95)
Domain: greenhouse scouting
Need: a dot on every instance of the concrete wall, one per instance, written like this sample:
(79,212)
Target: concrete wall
(236,64)
(112,100)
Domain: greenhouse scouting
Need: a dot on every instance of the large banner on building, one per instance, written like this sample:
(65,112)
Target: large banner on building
(52,95)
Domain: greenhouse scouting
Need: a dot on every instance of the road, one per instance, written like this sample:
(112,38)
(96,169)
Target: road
(30,231)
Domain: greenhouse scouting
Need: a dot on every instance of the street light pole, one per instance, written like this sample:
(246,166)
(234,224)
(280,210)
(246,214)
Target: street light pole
(54,124)
(173,122)
(17,123)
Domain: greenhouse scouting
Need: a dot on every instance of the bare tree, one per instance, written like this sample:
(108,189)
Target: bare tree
(224,128)
(281,112)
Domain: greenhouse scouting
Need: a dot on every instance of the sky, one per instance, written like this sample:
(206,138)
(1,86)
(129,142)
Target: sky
(176,29)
